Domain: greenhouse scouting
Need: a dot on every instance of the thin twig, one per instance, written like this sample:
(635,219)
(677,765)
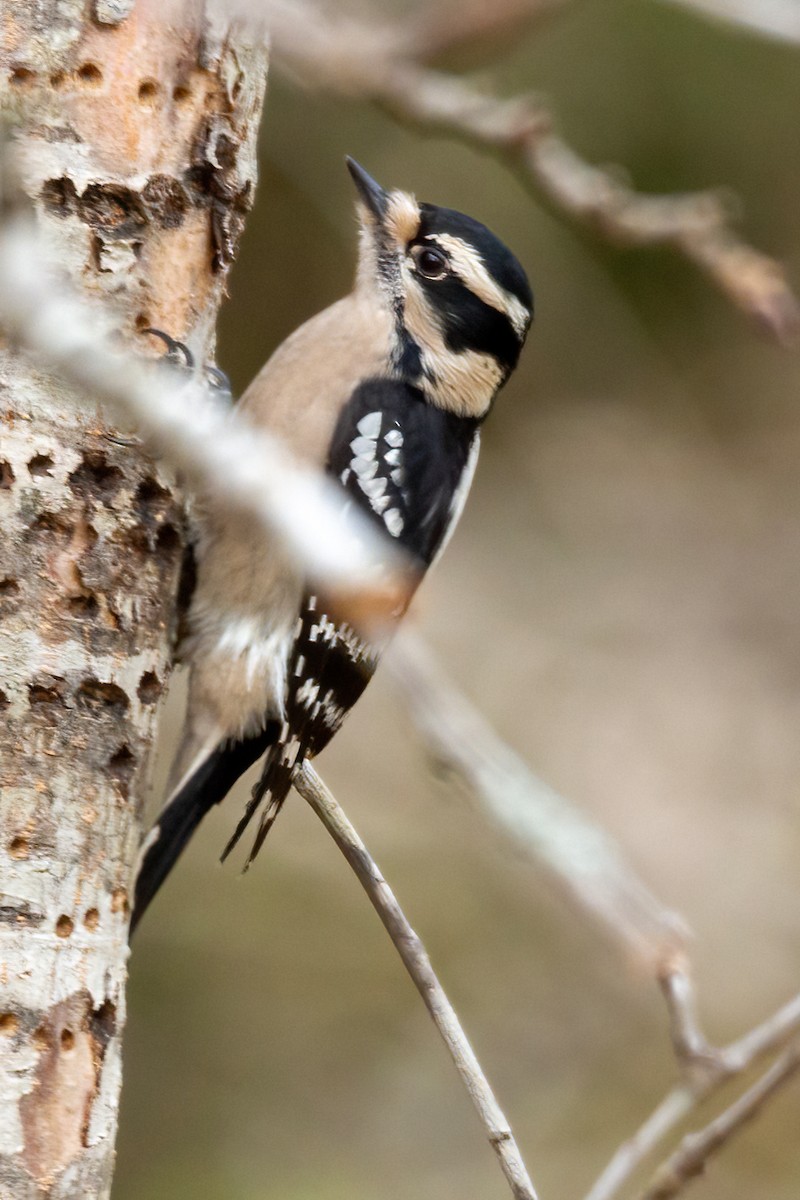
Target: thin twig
(417,963)
(688,1040)
(770,1035)
(704,1069)
(690,1159)
(579,855)
(373,61)
(216,451)
(591,869)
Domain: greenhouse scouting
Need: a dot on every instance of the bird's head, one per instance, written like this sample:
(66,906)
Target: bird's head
(461,303)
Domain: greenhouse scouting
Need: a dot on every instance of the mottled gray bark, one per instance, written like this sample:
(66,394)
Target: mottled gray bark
(137,145)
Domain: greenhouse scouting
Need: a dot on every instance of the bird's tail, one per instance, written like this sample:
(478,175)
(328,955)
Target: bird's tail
(206,785)
(271,790)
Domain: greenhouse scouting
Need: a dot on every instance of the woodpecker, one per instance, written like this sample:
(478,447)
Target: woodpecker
(386,390)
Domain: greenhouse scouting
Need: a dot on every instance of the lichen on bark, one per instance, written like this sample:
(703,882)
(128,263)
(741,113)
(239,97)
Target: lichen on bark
(136,142)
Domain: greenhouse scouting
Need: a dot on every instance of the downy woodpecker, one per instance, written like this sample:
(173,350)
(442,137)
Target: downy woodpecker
(386,390)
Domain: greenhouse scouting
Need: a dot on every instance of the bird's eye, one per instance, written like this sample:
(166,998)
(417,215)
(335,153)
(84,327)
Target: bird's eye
(431,263)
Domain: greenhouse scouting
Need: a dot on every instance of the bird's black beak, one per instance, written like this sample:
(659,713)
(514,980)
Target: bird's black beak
(370,193)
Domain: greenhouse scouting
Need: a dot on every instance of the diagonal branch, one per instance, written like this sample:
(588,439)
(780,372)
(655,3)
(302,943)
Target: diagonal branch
(704,1069)
(376,63)
(691,1157)
(578,855)
(589,867)
(417,963)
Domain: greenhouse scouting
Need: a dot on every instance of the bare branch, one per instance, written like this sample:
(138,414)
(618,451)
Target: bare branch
(704,1069)
(688,1040)
(690,1159)
(676,1105)
(591,869)
(580,856)
(417,963)
(375,62)
(217,451)
(765,1038)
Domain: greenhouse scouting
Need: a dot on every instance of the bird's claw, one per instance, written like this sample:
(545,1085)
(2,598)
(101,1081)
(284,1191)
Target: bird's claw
(216,379)
(175,349)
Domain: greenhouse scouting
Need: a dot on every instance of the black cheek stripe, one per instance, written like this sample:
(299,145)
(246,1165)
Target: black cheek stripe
(468,323)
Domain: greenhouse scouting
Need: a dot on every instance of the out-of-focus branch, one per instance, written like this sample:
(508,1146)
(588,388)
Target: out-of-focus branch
(216,451)
(582,858)
(690,1159)
(591,870)
(778,20)
(689,1043)
(374,62)
(416,961)
(704,1069)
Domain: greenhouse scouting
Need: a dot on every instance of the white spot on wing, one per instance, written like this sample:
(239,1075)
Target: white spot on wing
(393,519)
(392,457)
(372,487)
(364,446)
(394,437)
(364,468)
(307,693)
(370,425)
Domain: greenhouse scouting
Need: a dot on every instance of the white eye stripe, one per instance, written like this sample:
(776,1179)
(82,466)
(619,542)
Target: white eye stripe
(468,265)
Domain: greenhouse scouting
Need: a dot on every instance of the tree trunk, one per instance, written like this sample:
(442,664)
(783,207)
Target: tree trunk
(136,129)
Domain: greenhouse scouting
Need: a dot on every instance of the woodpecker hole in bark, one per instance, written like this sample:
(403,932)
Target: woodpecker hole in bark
(59,196)
(96,476)
(19,847)
(90,74)
(64,926)
(40,464)
(149,688)
(148,91)
(46,692)
(97,696)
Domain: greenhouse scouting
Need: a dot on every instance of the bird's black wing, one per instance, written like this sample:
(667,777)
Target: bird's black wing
(407,466)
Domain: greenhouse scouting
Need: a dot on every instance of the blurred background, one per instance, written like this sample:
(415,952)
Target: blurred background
(620,600)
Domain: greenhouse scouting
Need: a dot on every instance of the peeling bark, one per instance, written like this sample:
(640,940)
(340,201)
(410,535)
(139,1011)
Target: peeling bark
(137,146)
